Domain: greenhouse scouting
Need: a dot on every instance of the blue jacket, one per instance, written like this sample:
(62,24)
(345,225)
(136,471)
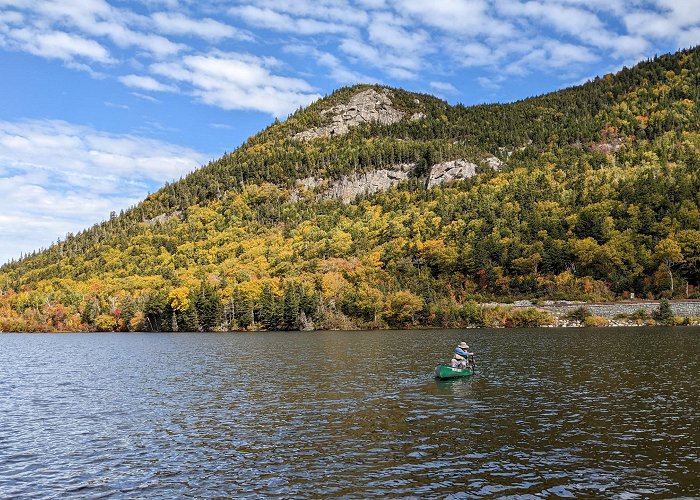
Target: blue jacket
(462,352)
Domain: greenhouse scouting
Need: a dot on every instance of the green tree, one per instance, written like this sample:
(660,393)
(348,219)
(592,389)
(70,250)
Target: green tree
(401,308)
(269,311)
(664,313)
(208,306)
(668,251)
(291,306)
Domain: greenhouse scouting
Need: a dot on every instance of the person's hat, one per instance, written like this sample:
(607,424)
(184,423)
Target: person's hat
(463,345)
(457,356)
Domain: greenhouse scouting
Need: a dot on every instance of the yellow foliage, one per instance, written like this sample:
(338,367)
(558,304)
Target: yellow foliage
(179,298)
(595,321)
(334,286)
(136,323)
(105,323)
(252,290)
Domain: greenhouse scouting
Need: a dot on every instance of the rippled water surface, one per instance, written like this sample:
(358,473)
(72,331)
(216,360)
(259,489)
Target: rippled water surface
(560,413)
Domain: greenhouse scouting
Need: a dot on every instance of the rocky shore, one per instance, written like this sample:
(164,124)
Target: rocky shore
(627,313)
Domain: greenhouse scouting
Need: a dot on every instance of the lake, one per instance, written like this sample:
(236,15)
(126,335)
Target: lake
(549,412)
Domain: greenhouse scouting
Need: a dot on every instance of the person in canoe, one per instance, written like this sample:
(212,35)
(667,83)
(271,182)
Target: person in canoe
(458,362)
(462,350)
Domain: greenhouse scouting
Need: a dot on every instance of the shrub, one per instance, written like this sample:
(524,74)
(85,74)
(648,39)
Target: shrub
(511,317)
(495,317)
(639,314)
(595,321)
(663,315)
(579,314)
(472,313)
(528,318)
(681,321)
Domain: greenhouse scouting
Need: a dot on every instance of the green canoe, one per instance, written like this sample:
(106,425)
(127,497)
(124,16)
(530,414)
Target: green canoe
(446,371)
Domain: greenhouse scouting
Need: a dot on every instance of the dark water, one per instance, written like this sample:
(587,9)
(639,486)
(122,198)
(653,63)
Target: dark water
(559,413)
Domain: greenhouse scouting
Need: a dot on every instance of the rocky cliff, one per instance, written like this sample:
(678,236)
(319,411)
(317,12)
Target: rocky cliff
(347,188)
(364,107)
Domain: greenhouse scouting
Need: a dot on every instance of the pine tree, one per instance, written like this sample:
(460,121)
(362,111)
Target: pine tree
(664,314)
(245,314)
(208,306)
(269,312)
(290,308)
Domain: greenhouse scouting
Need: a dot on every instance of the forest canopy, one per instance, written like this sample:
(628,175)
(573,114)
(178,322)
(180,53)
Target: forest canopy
(597,196)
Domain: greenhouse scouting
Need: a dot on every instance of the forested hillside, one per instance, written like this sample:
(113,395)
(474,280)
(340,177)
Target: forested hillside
(588,193)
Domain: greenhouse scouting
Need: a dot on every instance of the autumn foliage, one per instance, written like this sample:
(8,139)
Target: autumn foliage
(597,197)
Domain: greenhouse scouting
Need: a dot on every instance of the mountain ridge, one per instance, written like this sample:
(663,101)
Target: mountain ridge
(587,192)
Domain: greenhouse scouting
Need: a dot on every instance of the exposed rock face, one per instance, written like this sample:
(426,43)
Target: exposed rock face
(493,162)
(609,146)
(162,218)
(450,171)
(364,107)
(350,187)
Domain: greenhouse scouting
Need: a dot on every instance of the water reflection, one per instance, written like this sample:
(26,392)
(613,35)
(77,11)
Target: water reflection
(549,413)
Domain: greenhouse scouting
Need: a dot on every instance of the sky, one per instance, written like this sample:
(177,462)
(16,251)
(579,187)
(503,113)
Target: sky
(102,102)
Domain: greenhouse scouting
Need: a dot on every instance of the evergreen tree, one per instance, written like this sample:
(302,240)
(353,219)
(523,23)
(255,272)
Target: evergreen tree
(664,314)
(90,312)
(269,311)
(245,314)
(291,306)
(208,307)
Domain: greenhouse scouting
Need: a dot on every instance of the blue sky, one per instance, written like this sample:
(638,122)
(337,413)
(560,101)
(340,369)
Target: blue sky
(101,102)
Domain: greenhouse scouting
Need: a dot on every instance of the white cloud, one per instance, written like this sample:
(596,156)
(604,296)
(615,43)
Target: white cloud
(59,177)
(474,54)
(57,45)
(239,81)
(614,7)
(569,20)
(684,12)
(339,72)
(11,17)
(551,55)
(272,19)
(96,18)
(144,97)
(23,234)
(399,39)
(400,65)
(387,30)
(178,24)
(79,156)
(677,20)
(146,83)
(444,87)
(470,17)
(334,11)
(372,4)
(576,22)
(491,83)
(651,24)
(689,37)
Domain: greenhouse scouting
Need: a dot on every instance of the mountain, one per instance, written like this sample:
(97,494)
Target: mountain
(380,207)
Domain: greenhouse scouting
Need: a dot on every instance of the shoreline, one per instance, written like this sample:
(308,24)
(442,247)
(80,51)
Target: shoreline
(519,314)
(619,323)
